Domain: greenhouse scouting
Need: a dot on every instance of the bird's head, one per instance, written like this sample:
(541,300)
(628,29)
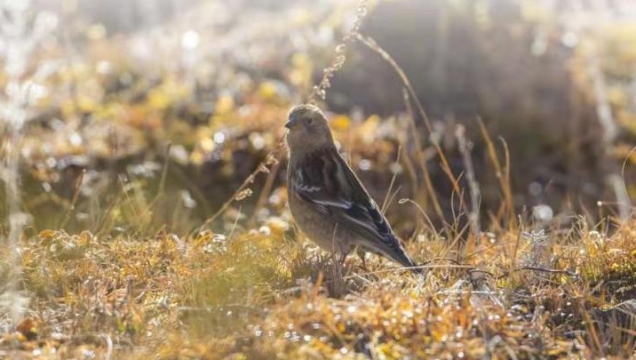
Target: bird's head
(308,129)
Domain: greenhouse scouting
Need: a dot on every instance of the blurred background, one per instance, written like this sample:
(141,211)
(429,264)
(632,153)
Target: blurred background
(133,116)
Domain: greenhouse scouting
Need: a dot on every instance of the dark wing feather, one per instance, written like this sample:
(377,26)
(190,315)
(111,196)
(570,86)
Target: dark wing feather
(325,181)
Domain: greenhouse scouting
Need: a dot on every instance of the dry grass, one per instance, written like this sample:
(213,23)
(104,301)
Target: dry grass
(259,294)
(143,284)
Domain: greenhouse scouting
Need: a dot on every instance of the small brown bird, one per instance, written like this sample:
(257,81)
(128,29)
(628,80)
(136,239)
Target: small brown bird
(326,199)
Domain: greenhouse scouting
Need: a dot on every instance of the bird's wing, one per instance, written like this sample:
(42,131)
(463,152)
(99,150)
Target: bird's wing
(326,182)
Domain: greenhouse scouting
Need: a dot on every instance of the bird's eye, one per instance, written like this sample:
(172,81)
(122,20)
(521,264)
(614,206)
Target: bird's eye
(309,121)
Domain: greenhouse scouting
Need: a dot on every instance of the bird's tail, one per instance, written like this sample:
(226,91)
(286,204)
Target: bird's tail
(411,265)
(399,255)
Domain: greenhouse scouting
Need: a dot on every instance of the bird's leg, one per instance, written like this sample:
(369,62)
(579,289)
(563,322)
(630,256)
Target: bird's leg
(343,257)
(338,279)
(338,262)
(362,255)
(339,254)
(329,259)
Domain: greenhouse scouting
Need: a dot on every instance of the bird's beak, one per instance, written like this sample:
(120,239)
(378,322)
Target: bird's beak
(290,123)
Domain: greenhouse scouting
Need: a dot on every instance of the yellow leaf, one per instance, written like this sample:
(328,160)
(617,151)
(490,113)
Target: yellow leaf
(197,157)
(46,234)
(340,122)
(224,105)
(267,90)
(369,127)
(158,99)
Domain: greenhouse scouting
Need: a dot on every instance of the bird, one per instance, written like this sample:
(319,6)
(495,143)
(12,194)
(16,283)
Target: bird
(326,199)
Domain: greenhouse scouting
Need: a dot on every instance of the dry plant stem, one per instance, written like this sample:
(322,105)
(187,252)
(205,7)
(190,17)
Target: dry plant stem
(235,223)
(403,268)
(339,59)
(316,288)
(408,164)
(76,191)
(462,209)
(248,180)
(371,44)
(591,328)
(456,243)
(502,173)
(267,189)
(513,263)
(131,202)
(473,186)
(162,184)
(421,157)
(387,196)
(626,161)
(109,346)
(480,251)
(391,197)
(101,222)
(164,173)
(511,205)
(424,215)
(540,269)
(610,132)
